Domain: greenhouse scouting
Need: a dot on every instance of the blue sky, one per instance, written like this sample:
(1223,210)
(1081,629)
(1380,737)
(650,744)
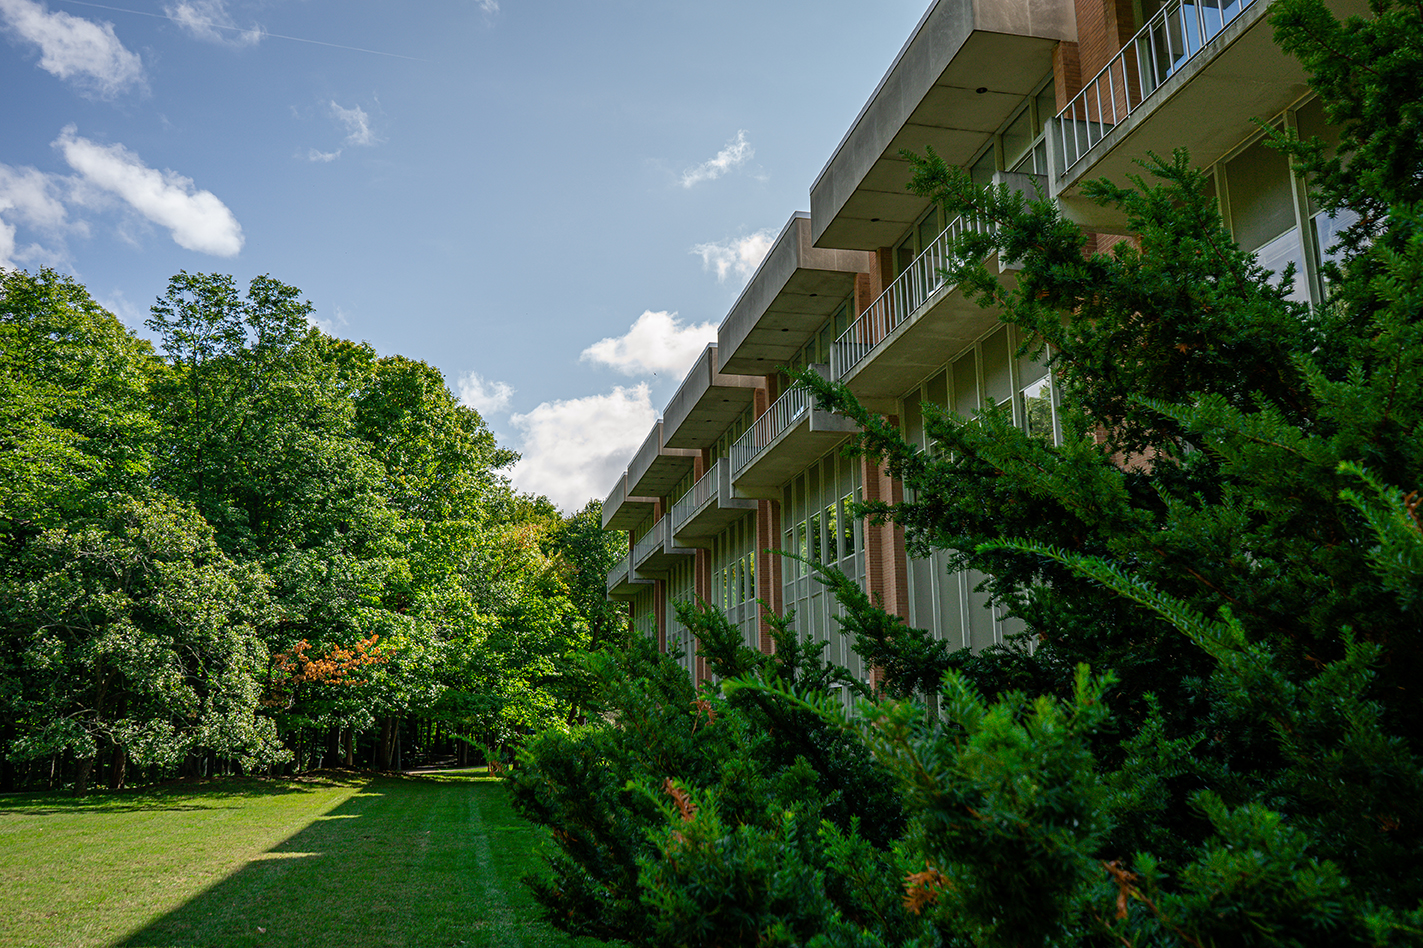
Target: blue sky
(552,202)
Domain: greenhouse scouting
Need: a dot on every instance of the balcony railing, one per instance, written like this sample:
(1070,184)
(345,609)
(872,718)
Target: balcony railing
(787,410)
(900,299)
(643,548)
(1158,50)
(701,494)
(620,570)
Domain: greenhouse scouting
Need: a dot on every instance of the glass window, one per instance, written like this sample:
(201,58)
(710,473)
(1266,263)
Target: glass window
(997,380)
(1279,253)
(981,171)
(1046,104)
(1037,409)
(1261,195)
(966,384)
(929,229)
(832,535)
(913,419)
(814,537)
(1018,137)
(847,527)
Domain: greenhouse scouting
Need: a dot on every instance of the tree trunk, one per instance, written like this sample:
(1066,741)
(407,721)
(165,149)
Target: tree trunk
(81,775)
(118,767)
(385,743)
(351,747)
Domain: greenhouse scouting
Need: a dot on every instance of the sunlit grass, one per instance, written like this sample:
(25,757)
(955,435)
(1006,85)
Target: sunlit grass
(332,861)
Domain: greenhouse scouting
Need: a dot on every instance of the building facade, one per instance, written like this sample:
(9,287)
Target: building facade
(1042,95)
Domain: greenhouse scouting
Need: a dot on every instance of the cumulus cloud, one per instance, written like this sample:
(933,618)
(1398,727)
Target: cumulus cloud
(209,20)
(657,342)
(737,152)
(73,48)
(739,255)
(31,196)
(573,450)
(357,124)
(196,219)
(483,395)
(35,199)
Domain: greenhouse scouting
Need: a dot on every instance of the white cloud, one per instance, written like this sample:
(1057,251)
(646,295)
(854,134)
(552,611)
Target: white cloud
(323,156)
(329,326)
(130,315)
(657,342)
(35,199)
(736,153)
(739,255)
(573,450)
(209,20)
(197,219)
(357,124)
(7,247)
(485,396)
(74,48)
(32,196)
(490,7)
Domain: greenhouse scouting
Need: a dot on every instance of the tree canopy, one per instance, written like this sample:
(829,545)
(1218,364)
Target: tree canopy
(258,542)
(1209,733)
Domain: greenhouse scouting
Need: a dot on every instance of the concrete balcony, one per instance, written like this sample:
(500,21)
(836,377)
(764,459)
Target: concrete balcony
(656,553)
(623,583)
(1195,76)
(655,468)
(968,65)
(790,436)
(707,403)
(623,511)
(918,322)
(791,294)
(708,508)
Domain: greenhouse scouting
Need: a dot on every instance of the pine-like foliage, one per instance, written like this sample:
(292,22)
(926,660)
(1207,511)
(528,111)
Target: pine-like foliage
(1211,732)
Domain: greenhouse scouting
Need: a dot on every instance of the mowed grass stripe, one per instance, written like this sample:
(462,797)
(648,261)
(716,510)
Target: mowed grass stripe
(416,861)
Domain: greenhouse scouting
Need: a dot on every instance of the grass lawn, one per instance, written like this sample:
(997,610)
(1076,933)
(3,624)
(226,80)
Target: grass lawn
(349,861)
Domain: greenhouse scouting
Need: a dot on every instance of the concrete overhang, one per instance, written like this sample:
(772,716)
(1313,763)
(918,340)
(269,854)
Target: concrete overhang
(622,511)
(623,583)
(658,553)
(699,524)
(930,97)
(707,403)
(1208,106)
(796,287)
(792,451)
(656,468)
(940,328)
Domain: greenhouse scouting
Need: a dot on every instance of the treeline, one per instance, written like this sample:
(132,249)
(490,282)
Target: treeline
(262,549)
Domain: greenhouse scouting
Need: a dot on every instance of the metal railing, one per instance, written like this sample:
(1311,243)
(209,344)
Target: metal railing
(1158,50)
(787,410)
(619,572)
(643,548)
(700,494)
(900,299)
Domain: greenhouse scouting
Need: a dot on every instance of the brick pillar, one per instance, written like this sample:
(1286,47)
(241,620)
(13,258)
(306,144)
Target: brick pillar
(886,571)
(768,567)
(1066,73)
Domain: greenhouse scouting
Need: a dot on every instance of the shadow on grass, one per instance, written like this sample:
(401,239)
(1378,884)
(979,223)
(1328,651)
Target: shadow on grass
(222,794)
(407,862)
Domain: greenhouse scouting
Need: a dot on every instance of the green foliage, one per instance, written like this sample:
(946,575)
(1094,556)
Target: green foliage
(1228,535)
(262,532)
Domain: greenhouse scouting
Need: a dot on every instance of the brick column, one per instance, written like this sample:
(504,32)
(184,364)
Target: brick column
(1066,73)
(886,570)
(768,567)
